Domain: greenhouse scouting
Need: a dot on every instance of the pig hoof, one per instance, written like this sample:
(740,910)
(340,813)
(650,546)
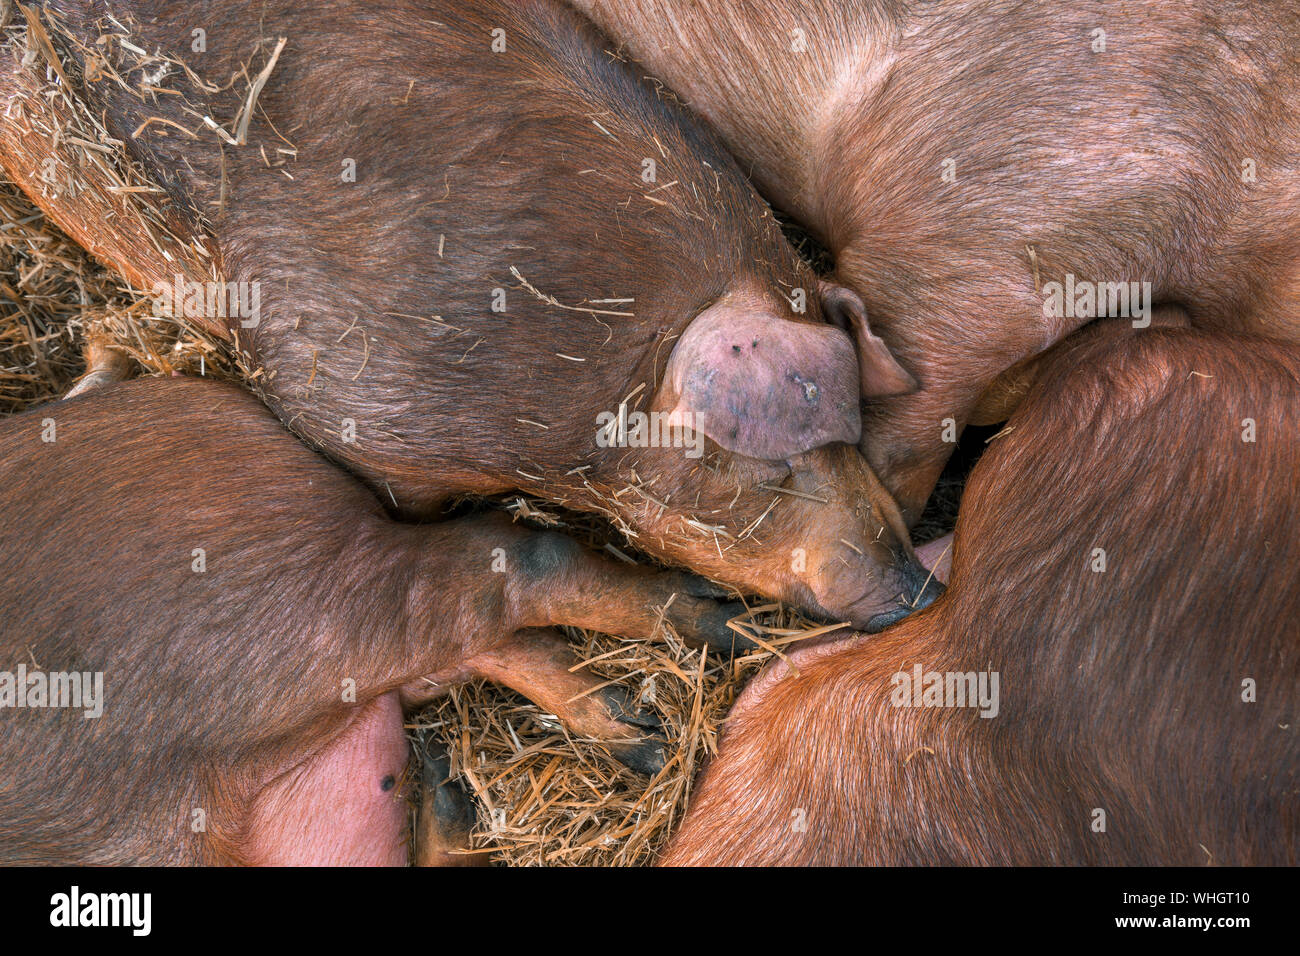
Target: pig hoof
(646,755)
(446,815)
(622,705)
(451,804)
(704,621)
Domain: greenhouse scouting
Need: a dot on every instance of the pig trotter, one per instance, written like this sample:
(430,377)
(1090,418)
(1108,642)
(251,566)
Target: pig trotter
(698,616)
(704,621)
(446,815)
(104,366)
(538,663)
(647,755)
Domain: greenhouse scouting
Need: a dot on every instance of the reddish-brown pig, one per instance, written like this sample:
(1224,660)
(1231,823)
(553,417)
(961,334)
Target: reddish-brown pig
(209,634)
(990,175)
(466,250)
(1117,654)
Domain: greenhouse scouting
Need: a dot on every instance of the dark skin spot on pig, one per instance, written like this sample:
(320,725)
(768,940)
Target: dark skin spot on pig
(388,783)
(544,555)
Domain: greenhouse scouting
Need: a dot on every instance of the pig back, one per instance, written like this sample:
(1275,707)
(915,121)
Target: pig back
(478,228)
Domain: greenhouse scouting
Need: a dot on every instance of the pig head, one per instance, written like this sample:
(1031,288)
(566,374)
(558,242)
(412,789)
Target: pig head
(759,477)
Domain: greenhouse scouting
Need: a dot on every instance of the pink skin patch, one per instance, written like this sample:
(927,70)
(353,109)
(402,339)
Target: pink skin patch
(344,805)
(937,557)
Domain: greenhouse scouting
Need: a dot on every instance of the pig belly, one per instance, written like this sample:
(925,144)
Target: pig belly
(333,809)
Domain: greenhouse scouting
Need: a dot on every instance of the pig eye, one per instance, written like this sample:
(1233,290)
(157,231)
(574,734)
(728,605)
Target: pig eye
(748,472)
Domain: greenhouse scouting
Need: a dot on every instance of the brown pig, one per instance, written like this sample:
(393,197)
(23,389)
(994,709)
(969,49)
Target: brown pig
(989,175)
(466,250)
(188,587)
(1112,676)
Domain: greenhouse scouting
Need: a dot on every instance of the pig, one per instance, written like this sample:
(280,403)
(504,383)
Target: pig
(466,251)
(1123,595)
(988,175)
(187,586)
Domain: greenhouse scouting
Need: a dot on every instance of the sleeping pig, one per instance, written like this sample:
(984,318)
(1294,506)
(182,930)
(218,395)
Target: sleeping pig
(465,249)
(209,635)
(1111,677)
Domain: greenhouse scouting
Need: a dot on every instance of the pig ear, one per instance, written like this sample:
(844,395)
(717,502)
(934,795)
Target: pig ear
(881,374)
(763,386)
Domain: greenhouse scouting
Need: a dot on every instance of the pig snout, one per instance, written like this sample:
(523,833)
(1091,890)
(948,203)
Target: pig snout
(865,572)
(877,594)
(918,588)
(781,399)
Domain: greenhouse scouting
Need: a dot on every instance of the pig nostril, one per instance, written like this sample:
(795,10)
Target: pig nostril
(921,587)
(885,618)
(933,589)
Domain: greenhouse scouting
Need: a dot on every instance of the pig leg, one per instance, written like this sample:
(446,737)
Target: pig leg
(583,589)
(539,664)
(341,806)
(445,816)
